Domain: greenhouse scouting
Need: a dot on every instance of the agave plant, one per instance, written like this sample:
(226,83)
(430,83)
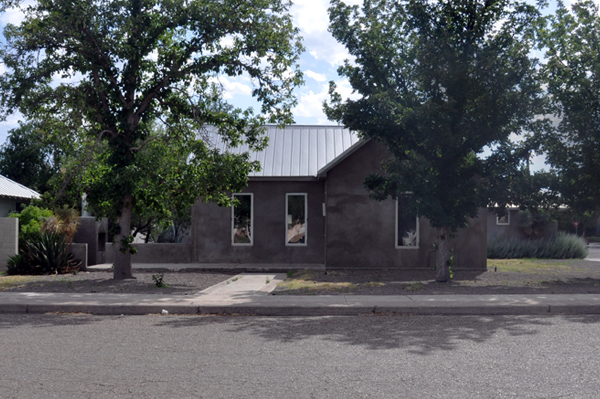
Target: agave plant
(48,252)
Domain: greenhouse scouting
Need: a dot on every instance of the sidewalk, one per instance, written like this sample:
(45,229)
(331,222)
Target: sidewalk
(250,295)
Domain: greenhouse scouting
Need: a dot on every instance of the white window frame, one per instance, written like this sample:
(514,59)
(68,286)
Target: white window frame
(396,232)
(305,243)
(241,244)
(507,218)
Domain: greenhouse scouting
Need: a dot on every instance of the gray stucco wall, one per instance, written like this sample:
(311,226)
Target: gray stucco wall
(361,231)
(94,233)
(212,227)
(155,253)
(9,239)
(512,230)
(7,205)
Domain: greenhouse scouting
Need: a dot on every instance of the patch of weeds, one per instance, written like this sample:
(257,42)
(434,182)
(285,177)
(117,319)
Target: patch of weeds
(158,279)
(268,280)
(290,273)
(374,284)
(7,282)
(70,285)
(415,286)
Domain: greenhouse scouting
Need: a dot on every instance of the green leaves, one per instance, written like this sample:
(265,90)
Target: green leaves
(438,82)
(572,73)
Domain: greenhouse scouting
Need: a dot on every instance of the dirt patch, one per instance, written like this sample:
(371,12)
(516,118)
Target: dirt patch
(514,276)
(177,283)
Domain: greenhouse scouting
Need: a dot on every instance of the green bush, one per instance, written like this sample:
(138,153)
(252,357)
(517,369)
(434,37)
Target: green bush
(31,219)
(559,246)
(43,253)
(594,239)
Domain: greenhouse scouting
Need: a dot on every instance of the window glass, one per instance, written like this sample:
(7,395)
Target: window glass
(296,227)
(503,219)
(407,234)
(242,220)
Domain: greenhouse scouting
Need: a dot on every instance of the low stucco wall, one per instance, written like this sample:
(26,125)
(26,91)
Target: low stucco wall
(9,239)
(155,253)
(80,251)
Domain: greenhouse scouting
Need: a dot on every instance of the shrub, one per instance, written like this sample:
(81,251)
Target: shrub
(43,253)
(31,219)
(559,246)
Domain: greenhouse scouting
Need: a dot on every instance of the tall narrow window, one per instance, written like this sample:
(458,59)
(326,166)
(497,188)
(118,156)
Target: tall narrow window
(242,220)
(407,226)
(295,219)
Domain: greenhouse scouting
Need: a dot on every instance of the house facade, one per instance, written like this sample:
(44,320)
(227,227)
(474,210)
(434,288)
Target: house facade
(308,206)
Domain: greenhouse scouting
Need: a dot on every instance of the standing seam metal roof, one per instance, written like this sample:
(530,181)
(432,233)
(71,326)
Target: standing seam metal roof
(12,189)
(298,150)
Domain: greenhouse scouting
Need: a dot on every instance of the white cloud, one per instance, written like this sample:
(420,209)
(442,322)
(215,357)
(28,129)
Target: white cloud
(232,87)
(319,77)
(310,104)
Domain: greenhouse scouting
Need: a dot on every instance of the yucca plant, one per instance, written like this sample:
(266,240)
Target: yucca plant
(47,253)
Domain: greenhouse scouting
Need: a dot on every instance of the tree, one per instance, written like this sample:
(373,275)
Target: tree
(124,64)
(28,158)
(437,82)
(572,74)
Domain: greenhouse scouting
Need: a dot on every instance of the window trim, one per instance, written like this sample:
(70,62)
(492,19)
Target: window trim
(239,244)
(503,224)
(418,224)
(305,243)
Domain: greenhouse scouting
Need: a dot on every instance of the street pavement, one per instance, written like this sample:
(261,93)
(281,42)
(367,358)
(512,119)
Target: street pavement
(251,295)
(82,356)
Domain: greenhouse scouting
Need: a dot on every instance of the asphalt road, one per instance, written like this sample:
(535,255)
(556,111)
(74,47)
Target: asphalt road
(82,356)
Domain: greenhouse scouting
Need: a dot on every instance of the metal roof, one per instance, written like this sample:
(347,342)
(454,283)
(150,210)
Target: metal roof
(298,150)
(12,189)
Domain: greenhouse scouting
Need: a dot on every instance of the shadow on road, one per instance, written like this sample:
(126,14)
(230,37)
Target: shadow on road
(418,334)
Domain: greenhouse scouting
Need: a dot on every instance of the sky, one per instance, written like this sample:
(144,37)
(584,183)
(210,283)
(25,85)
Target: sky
(319,64)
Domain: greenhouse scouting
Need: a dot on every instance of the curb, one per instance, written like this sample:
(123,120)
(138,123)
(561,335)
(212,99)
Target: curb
(253,310)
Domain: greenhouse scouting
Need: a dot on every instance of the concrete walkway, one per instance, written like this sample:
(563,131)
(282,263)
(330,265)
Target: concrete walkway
(249,294)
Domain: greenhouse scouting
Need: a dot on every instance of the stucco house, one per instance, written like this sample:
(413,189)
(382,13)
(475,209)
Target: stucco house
(308,206)
(12,195)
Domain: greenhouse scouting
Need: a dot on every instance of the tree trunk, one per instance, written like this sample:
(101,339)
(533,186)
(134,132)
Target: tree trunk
(122,264)
(443,255)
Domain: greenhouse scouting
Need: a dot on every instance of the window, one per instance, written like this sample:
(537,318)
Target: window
(503,220)
(407,226)
(242,220)
(295,219)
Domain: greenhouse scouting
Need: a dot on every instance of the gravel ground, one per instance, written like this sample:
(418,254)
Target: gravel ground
(178,283)
(567,277)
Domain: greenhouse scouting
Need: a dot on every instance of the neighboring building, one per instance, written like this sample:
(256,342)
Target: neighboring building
(308,205)
(12,195)
(507,226)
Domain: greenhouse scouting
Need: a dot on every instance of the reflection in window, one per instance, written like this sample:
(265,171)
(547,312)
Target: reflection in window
(407,226)
(503,220)
(242,220)
(295,219)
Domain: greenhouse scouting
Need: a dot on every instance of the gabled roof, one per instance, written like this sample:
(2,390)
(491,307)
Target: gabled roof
(299,151)
(12,189)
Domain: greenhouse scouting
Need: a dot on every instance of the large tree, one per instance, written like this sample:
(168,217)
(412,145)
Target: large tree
(117,67)
(572,74)
(437,82)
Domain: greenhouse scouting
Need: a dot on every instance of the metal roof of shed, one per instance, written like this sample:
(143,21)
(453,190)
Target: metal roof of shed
(12,189)
(299,150)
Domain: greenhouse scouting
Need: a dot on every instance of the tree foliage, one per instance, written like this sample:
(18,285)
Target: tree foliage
(437,82)
(572,73)
(123,65)
(29,158)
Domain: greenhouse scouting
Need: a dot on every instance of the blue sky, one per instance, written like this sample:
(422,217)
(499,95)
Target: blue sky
(319,63)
